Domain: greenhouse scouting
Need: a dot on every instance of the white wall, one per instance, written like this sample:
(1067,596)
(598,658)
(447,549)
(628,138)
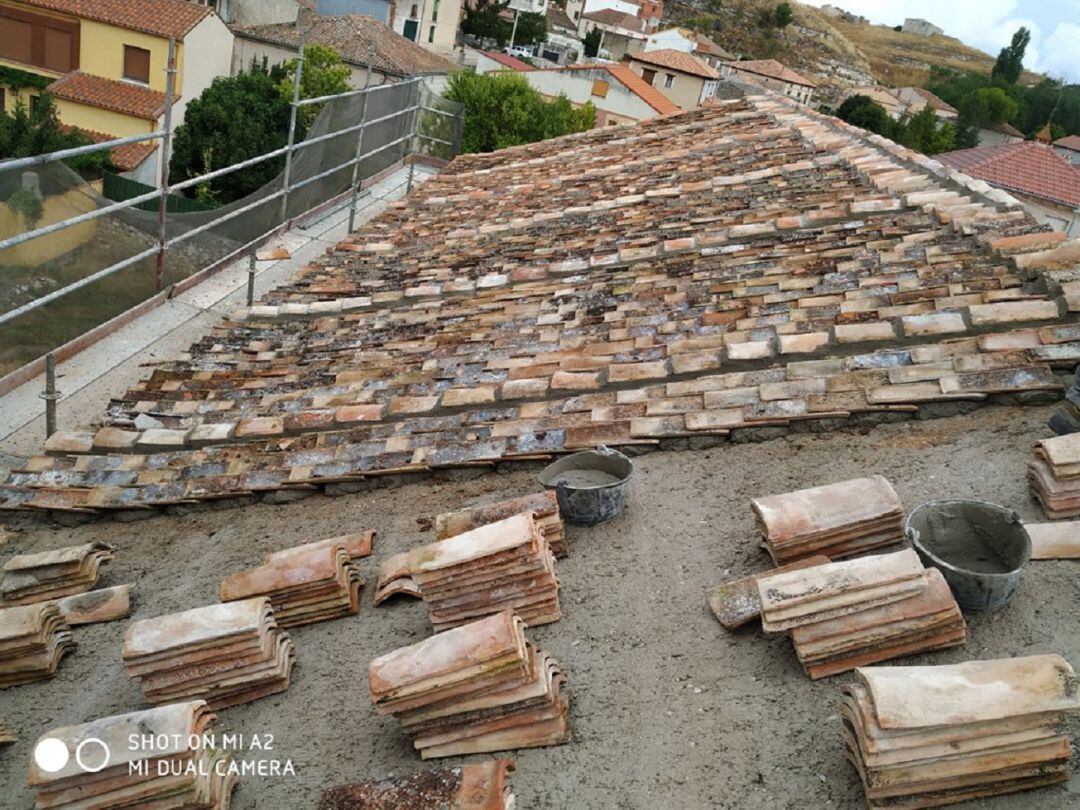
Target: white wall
(208,49)
(577,86)
(1058,217)
(670,38)
(448,13)
(618,5)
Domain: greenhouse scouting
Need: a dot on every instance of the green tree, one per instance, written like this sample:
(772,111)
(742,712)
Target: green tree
(1010,61)
(25,132)
(236,118)
(531,29)
(324,74)
(922,133)
(864,112)
(482,19)
(501,110)
(783,16)
(591,41)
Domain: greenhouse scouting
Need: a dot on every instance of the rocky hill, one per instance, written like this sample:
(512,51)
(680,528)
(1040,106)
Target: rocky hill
(835,53)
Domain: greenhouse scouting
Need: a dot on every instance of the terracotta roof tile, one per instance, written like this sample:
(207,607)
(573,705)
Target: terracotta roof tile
(124,158)
(676,60)
(748,264)
(558,18)
(506,60)
(109,94)
(165,18)
(610,16)
(1069,142)
(352,35)
(773,70)
(1026,167)
(635,84)
(931,99)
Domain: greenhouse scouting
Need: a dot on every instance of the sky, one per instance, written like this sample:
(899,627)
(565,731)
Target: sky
(989,26)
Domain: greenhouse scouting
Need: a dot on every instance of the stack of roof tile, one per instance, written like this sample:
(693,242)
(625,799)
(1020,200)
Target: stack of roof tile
(53,574)
(477,688)
(848,614)
(161,769)
(836,520)
(477,786)
(223,654)
(1054,475)
(930,736)
(305,584)
(33,639)
(543,505)
(502,565)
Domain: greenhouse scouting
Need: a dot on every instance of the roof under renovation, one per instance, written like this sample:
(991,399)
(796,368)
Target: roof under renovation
(750,264)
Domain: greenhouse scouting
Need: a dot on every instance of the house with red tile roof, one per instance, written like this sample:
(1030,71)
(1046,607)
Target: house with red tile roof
(1047,183)
(106,63)
(688,41)
(619,95)
(682,78)
(772,75)
(916,98)
(496,61)
(622,32)
(1069,148)
(362,41)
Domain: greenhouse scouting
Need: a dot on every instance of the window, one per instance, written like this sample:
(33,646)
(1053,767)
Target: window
(35,100)
(136,64)
(414,12)
(43,42)
(669,79)
(435,11)
(431,34)
(648,75)
(600,88)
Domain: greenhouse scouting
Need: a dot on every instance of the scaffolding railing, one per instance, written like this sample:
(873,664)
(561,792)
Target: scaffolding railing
(353,137)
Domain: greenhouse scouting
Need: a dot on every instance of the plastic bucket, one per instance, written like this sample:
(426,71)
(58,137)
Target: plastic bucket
(592,486)
(979,547)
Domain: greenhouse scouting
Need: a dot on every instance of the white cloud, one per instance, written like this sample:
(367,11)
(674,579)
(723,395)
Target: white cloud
(1062,49)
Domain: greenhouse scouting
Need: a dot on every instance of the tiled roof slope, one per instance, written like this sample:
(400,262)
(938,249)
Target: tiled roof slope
(614,17)
(632,82)
(354,36)
(166,18)
(506,60)
(932,99)
(676,60)
(740,266)
(109,94)
(773,70)
(1069,142)
(1026,167)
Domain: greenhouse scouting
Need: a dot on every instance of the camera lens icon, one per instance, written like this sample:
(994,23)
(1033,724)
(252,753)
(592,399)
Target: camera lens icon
(91,755)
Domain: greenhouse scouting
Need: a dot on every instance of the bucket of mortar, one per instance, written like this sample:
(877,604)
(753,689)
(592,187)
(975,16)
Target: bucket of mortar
(592,486)
(980,548)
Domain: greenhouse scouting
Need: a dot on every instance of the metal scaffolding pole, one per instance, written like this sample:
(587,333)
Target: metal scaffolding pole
(292,126)
(50,395)
(166,146)
(360,138)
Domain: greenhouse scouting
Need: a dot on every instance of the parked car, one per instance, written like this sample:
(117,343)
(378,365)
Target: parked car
(520,51)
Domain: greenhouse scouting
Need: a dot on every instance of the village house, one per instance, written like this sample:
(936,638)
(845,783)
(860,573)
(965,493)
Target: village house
(373,52)
(1069,148)
(916,98)
(649,12)
(680,77)
(882,97)
(498,62)
(996,134)
(772,75)
(622,33)
(687,41)
(1044,181)
(619,95)
(104,64)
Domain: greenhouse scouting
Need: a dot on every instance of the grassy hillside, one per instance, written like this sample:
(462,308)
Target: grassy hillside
(835,54)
